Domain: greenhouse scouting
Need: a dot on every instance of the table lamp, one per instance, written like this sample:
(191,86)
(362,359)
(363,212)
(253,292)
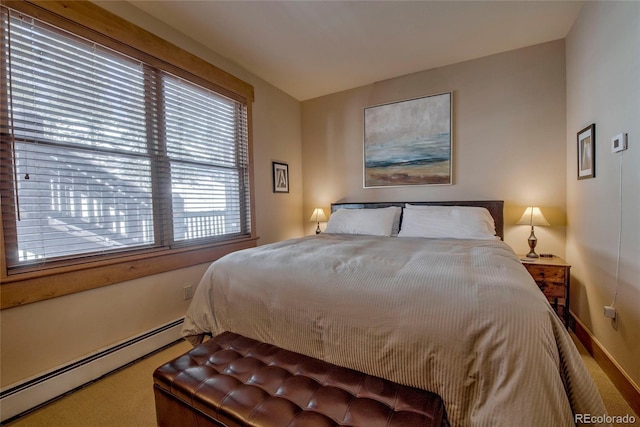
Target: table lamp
(532,216)
(318,216)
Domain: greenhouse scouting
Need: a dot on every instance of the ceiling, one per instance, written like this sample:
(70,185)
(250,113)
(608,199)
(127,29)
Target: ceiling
(313,48)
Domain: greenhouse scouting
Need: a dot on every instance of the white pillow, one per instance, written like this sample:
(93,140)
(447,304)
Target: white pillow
(447,222)
(375,222)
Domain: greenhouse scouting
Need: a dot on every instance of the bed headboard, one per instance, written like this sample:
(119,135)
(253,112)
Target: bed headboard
(495,208)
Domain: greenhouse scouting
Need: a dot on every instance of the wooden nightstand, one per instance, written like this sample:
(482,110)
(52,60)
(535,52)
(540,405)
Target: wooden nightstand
(553,279)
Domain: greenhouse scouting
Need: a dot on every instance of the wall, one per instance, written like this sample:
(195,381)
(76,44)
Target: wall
(508,131)
(603,87)
(47,334)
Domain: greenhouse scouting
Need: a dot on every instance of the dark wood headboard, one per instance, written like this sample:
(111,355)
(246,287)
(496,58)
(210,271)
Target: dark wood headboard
(495,208)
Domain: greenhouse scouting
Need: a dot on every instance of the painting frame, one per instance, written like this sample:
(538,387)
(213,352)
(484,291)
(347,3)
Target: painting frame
(280,177)
(586,151)
(409,142)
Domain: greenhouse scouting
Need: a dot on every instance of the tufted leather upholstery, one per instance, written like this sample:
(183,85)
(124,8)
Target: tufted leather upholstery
(236,381)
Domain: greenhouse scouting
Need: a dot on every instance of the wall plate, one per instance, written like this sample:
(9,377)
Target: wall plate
(619,143)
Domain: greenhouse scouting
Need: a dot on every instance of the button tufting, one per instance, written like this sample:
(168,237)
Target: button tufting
(239,381)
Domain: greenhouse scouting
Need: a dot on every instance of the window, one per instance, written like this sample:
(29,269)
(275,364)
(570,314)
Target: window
(105,155)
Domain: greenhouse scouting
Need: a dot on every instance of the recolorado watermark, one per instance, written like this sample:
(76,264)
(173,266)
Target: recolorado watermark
(604,419)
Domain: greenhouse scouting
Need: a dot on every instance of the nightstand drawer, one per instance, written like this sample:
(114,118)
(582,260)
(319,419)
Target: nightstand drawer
(552,277)
(547,273)
(551,289)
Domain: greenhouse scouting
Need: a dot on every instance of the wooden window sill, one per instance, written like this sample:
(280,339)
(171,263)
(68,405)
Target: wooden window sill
(27,287)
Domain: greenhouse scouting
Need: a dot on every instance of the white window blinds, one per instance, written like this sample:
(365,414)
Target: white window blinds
(208,168)
(103,153)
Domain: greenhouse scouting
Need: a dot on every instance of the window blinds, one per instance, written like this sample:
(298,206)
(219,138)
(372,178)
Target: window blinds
(103,153)
(208,171)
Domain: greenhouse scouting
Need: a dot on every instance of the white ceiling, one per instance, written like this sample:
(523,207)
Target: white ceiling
(313,48)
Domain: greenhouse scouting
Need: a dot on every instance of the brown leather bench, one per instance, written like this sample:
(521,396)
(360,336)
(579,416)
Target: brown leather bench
(236,381)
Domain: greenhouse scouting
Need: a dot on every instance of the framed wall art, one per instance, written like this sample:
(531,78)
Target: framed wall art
(587,152)
(280,177)
(408,142)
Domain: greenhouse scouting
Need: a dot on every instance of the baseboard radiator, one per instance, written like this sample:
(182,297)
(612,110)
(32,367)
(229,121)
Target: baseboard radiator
(22,397)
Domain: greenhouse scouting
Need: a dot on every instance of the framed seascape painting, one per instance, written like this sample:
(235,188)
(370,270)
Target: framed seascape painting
(408,142)
(587,152)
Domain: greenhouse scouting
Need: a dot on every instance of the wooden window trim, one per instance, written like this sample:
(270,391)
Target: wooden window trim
(92,22)
(101,26)
(25,288)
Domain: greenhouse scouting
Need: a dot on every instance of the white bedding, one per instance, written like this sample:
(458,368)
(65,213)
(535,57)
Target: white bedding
(461,318)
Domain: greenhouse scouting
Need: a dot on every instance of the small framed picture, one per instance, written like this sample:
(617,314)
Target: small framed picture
(587,152)
(280,177)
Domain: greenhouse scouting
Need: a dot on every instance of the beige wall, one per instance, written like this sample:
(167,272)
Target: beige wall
(603,87)
(50,333)
(508,131)
(46,334)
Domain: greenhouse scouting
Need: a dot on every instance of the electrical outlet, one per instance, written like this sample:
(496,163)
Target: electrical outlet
(188,292)
(610,311)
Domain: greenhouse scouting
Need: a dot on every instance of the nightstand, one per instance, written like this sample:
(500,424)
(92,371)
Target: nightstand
(553,279)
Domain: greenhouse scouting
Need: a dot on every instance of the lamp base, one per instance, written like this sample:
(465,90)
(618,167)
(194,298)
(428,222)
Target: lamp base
(318,229)
(533,240)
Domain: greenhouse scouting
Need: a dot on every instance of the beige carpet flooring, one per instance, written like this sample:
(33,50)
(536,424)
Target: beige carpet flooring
(125,398)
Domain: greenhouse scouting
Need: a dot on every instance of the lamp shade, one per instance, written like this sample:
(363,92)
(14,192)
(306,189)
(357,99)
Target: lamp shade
(533,216)
(318,215)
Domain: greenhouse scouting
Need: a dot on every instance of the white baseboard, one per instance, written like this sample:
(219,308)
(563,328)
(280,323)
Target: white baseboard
(25,395)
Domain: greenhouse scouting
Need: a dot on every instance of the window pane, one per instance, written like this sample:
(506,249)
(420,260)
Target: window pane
(205,202)
(93,203)
(206,148)
(199,124)
(82,169)
(69,90)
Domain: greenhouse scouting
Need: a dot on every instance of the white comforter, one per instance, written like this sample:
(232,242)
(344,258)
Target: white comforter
(461,318)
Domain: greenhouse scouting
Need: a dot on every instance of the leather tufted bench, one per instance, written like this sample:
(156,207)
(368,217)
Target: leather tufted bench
(233,381)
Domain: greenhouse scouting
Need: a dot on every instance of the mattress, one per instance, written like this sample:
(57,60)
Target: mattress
(461,318)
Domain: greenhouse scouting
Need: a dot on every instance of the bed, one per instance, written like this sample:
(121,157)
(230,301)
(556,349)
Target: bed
(457,316)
